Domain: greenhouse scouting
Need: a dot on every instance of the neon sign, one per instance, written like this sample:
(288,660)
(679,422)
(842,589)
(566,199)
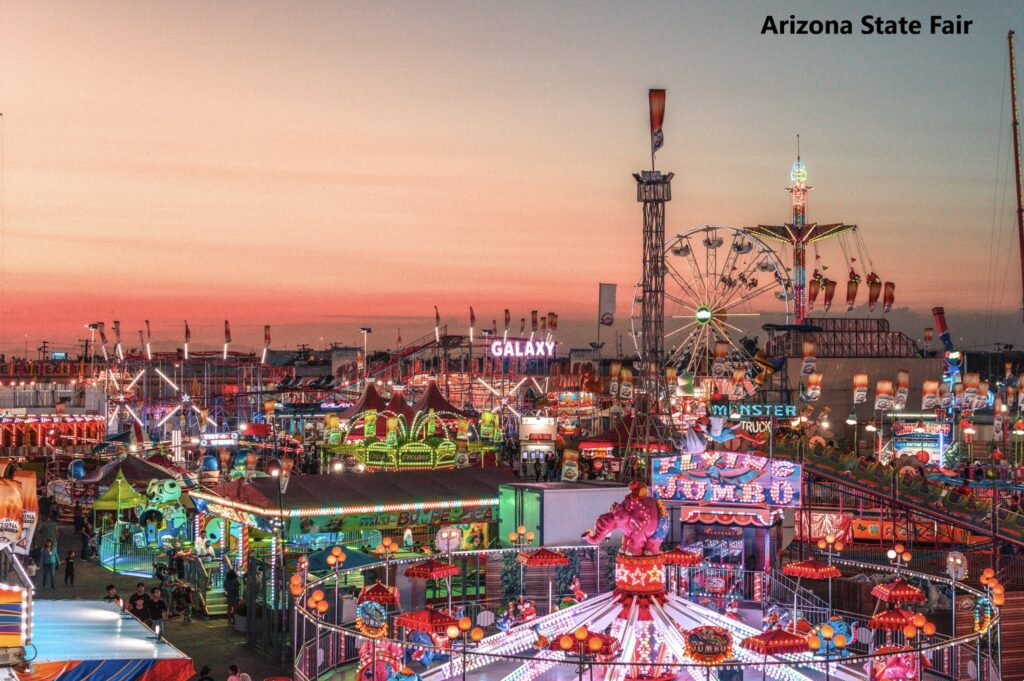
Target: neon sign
(522,348)
(755,411)
(728,478)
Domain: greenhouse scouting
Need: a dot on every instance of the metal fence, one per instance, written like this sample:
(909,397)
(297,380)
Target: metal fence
(127,558)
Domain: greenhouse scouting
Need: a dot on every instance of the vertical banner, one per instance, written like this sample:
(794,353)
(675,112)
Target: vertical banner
(813,386)
(571,465)
(810,359)
(613,377)
(889,296)
(227,332)
(981,399)
(945,396)
(737,387)
(656,100)
(11,512)
(370,423)
(972,381)
(718,364)
(606,304)
(626,384)
(929,395)
(883,395)
(860,388)
(29,510)
(902,389)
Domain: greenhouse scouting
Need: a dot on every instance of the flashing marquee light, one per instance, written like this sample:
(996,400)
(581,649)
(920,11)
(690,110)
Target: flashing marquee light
(339,510)
(754,411)
(523,348)
(708,645)
(219,440)
(639,574)
(730,478)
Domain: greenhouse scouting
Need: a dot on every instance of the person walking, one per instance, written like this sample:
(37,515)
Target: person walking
(69,569)
(49,559)
(234,674)
(233,594)
(204,674)
(86,536)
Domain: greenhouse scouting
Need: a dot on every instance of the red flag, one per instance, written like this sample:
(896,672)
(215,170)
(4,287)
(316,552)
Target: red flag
(533,320)
(148,334)
(227,332)
(508,318)
(656,98)
(472,316)
(188,333)
(266,336)
(437,317)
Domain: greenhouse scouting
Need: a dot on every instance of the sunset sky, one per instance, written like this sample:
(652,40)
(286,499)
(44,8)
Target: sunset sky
(321,166)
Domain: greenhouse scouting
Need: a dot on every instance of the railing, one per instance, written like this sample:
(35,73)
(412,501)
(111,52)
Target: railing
(125,557)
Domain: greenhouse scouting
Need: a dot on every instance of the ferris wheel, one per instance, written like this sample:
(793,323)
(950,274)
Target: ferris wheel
(715,278)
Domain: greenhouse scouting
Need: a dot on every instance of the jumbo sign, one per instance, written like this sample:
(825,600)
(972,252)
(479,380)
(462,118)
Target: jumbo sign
(728,478)
(523,348)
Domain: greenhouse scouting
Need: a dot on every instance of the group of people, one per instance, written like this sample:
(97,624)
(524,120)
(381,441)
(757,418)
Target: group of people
(547,469)
(233,674)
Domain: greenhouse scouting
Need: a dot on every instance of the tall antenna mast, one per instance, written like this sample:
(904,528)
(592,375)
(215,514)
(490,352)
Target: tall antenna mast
(1016,166)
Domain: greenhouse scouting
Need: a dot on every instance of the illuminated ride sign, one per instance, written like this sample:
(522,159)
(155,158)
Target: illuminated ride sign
(219,440)
(523,348)
(729,478)
(755,411)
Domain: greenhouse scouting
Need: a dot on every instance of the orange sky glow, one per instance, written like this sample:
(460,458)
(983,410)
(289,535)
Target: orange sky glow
(319,166)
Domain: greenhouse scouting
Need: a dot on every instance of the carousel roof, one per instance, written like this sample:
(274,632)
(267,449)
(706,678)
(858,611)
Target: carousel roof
(433,399)
(119,496)
(898,591)
(134,470)
(811,568)
(379,593)
(370,489)
(432,569)
(370,399)
(775,641)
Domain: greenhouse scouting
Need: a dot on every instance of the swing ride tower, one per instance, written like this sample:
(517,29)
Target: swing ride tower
(798,233)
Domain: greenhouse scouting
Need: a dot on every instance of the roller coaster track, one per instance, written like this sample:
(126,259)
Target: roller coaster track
(930,500)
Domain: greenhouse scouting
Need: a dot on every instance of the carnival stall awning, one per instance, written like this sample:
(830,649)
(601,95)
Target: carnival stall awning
(309,495)
(811,568)
(898,591)
(399,407)
(134,469)
(119,496)
(775,641)
(78,640)
(542,557)
(379,593)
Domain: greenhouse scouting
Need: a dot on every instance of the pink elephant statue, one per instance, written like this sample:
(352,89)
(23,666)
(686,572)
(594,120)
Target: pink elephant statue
(642,519)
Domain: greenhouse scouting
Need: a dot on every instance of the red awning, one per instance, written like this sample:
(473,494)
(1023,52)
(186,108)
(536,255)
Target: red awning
(428,620)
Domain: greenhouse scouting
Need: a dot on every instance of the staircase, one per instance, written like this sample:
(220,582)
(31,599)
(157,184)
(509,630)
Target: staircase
(1013,636)
(216,603)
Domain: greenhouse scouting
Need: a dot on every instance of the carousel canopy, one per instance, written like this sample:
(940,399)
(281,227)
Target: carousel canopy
(428,620)
(811,568)
(333,494)
(132,468)
(120,496)
(898,591)
(433,399)
(542,557)
(775,641)
(370,399)
(432,569)
(379,593)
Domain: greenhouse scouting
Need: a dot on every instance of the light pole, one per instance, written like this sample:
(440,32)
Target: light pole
(912,632)
(898,555)
(521,538)
(447,539)
(829,638)
(467,632)
(334,561)
(366,331)
(583,641)
(832,548)
(386,549)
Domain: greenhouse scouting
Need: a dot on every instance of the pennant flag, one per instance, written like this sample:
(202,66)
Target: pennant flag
(606,304)
(508,318)
(227,332)
(266,336)
(188,332)
(149,335)
(533,320)
(472,316)
(437,317)
(656,99)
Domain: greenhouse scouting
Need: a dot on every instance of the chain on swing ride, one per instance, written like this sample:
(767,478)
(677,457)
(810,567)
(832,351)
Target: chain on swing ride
(720,279)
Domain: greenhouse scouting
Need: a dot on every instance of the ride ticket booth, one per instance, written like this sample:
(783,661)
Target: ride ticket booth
(537,437)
